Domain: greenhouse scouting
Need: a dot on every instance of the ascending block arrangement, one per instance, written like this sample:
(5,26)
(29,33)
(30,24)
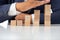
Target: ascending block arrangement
(27,20)
(13,23)
(19,23)
(36,17)
(47,15)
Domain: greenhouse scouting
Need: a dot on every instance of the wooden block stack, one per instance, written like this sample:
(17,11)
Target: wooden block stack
(19,23)
(27,22)
(13,23)
(47,15)
(36,17)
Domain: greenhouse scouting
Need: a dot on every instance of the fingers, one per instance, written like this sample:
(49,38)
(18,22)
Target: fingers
(20,17)
(46,1)
(24,6)
(36,3)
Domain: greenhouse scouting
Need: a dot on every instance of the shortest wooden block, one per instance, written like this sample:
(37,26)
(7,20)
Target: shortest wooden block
(27,20)
(13,23)
(19,23)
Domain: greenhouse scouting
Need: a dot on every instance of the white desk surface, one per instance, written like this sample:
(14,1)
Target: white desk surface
(30,33)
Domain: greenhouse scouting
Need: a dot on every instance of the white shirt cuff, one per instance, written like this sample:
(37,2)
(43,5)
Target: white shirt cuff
(32,18)
(51,10)
(12,10)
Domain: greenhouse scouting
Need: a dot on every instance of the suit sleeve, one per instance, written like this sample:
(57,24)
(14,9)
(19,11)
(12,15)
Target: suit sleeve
(4,12)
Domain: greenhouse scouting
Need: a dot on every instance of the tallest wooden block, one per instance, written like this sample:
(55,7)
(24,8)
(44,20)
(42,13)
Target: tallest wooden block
(47,15)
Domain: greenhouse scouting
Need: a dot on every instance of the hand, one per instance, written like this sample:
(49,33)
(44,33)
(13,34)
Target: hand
(22,16)
(24,6)
(46,1)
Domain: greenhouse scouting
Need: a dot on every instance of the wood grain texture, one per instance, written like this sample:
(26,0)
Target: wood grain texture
(19,23)
(47,15)
(27,20)
(13,23)
(36,17)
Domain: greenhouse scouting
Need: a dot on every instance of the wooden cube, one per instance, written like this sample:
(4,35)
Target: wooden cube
(19,23)
(13,23)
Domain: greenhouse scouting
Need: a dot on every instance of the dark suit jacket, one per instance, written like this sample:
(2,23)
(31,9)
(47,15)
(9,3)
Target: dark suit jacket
(55,16)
